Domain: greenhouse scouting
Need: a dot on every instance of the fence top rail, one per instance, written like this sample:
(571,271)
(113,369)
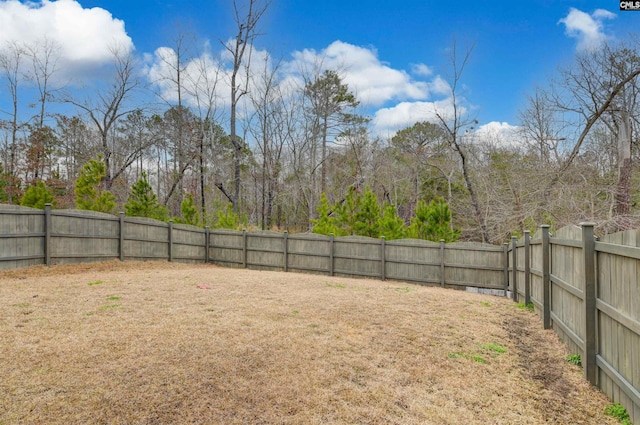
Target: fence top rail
(458,246)
(83,214)
(621,250)
(16,209)
(413,242)
(20,212)
(188,228)
(266,235)
(565,242)
(309,237)
(146,221)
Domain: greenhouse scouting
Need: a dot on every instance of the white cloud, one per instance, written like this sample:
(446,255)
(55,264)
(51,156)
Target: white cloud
(421,69)
(405,114)
(500,134)
(373,81)
(586,28)
(82,36)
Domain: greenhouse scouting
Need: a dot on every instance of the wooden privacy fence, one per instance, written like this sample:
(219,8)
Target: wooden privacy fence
(29,236)
(588,291)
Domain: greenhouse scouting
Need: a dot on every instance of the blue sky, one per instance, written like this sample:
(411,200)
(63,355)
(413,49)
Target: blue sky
(518,45)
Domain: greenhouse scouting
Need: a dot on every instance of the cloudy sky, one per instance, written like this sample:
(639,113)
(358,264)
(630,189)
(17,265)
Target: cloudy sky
(393,55)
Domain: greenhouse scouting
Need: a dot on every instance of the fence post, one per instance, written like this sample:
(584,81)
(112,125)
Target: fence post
(47,234)
(505,250)
(514,268)
(546,277)
(286,251)
(244,248)
(442,263)
(207,240)
(527,267)
(170,240)
(588,248)
(331,238)
(121,243)
(383,271)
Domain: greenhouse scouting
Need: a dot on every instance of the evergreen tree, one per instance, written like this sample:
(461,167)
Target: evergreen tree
(4,197)
(433,222)
(189,211)
(228,219)
(90,194)
(367,215)
(326,224)
(345,212)
(37,196)
(391,225)
(143,202)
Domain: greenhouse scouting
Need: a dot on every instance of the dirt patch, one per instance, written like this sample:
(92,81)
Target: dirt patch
(144,343)
(541,359)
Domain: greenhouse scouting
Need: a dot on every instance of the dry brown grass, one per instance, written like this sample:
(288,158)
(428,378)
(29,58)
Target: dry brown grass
(139,343)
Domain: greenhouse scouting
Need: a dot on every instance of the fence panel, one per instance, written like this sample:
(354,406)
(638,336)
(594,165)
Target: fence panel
(413,260)
(470,264)
(520,272)
(310,252)
(619,320)
(537,288)
(145,239)
(226,248)
(188,244)
(567,286)
(83,236)
(265,250)
(22,232)
(357,256)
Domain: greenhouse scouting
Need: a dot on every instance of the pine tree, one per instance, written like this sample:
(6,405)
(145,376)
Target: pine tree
(89,191)
(391,225)
(345,212)
(228,219)
(367,215)
(37,196)
(326,224)
(143,202)
(189,211)
(433,222)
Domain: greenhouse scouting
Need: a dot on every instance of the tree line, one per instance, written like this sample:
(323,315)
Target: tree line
(300,155)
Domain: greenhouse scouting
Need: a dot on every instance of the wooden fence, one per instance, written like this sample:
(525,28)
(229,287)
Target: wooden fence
(588,291)
(29,236)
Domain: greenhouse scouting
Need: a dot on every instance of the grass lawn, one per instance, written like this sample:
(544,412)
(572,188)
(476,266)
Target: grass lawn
(162,343)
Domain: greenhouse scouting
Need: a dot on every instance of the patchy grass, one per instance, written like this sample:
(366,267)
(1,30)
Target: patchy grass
(619,412)
(267,347)
(529,307)
(495,348)
(95,282)
(574,359)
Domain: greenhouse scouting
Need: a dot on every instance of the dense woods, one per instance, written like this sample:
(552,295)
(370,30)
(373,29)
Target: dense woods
(293,153)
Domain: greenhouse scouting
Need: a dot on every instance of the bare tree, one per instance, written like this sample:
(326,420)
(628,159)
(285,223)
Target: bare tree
(246,20)
(11,57)
(110,106)
(457,124)
(595,86)
(44,58)
(203,90)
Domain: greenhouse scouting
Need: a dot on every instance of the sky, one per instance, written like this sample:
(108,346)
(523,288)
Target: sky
(394,55)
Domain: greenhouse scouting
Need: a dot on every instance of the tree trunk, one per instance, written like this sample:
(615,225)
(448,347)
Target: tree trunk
(623,192)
